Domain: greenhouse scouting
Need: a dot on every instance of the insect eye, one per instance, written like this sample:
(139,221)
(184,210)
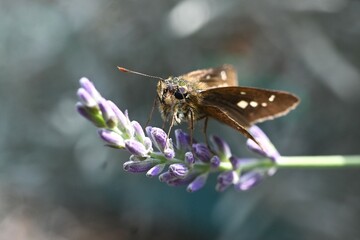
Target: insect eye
(179,95)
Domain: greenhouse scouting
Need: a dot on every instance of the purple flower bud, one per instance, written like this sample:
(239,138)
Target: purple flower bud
(225,179)
(178,170)
(156,170)
(90,88)
(249,180)
(148,132)
(189,158)
(111,138)
(82,111)
(92,117)
(86,98)
(159,137)
(235,162)
(267,149)
(220,147)
(148,144)
(135,158)
(136,148)
(215,161)
(198,183)
(202,152)
(124,122)
(140,166)
(126,114)
(182,140)
(166,177)
(169,152)
(139,132)
(182,181)
(108,113)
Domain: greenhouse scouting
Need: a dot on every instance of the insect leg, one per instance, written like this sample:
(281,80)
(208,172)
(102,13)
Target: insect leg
(152,111)
(171,124)
(191,127)
(205,134)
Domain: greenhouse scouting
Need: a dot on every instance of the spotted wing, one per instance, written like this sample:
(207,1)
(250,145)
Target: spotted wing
(240,107)
(224,76)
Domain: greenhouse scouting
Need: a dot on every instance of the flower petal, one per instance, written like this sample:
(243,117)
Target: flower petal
(198,183)
(220,147)
(159,137)
(202,152)
(140,166)
(156,170)
(86,84)
(179,170)
(249,180)
(268,149)
(136,148)
(112,138)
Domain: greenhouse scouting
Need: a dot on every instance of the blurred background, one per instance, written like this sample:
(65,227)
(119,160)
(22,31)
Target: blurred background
(58,181)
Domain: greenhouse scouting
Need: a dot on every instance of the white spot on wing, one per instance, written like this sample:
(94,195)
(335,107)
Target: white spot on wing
(242,104)
(208,77)
(272,98)
(243,93)
(223,75)
(253,104)
(264,104)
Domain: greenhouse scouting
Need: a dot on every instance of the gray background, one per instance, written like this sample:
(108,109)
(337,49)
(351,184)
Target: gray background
(58,181)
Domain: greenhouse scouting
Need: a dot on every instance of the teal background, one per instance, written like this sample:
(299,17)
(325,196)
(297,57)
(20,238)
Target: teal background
(58,181)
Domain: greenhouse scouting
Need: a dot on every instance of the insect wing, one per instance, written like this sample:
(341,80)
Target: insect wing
(223,76)
(231,119)
(247,106)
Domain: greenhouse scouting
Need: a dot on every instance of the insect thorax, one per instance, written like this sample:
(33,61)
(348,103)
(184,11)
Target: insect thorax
(175,95)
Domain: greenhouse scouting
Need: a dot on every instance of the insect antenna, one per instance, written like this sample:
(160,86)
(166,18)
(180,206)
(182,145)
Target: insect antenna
(138,73)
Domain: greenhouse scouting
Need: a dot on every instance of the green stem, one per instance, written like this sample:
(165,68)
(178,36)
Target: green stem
(335,161)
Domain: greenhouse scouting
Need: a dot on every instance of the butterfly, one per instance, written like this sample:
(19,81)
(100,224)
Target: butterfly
(214,93)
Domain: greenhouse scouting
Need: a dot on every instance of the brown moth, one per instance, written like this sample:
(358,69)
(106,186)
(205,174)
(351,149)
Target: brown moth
(215,93)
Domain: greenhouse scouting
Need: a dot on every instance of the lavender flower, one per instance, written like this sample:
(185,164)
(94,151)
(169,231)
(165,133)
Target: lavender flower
(198,183)
(189,158)
(140,166)
(90,88)
(202,152)
(166,177)
(179,170)
(90,114)
(138,131)
(215,162)
(124,124)
(169,151)
(161,141)
(182,164)
(249,180)
(112,138)
(159,137)
(108,114)
(85,98)
(136,148)
(156,170)
(182,140)
(225,179)
(182,181)
(268,149)
(220,147)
